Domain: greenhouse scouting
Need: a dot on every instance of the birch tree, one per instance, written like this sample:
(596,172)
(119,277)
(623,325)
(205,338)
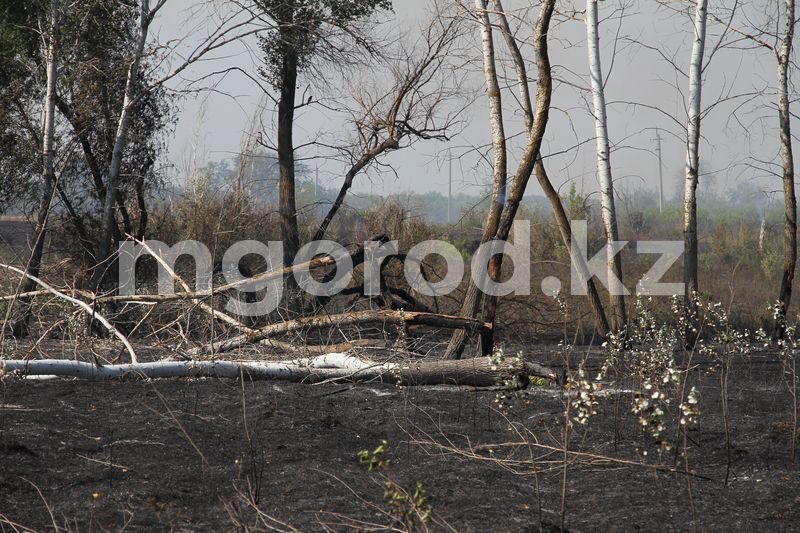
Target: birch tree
(784,57)
(143,86)
(473,298)
(94,43)
(608,211)
(113,121)
(536,119)
(780,42)
(691,286)
(531,153)
(50,35)
(559,212)
(109,222)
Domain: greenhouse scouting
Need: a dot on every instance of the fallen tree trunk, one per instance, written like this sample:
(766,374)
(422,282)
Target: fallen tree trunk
(320,349)
(356,256)
(332,367)
(381,316)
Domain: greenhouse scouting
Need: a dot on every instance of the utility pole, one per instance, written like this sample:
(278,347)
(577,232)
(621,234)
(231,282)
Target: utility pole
(449,184)
(657,139)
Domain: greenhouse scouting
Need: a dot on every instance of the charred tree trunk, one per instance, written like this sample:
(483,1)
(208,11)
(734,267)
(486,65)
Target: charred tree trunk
(288,207)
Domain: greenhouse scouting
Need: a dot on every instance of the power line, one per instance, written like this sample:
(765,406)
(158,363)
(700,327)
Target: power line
(658,139)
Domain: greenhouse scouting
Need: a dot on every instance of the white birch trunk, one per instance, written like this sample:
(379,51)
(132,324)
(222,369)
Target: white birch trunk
(787,161)
(607,208)
(481,371)
(693,152)
(472,298)
(48,139)
(495,100)
(20,325)
(555,201)
(120,141)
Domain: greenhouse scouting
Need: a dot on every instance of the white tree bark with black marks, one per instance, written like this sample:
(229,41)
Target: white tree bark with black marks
(20,326)
(691,285)
(559,213)
(607,208)
(331,367)
(472,298)
(787,160)
(129,101)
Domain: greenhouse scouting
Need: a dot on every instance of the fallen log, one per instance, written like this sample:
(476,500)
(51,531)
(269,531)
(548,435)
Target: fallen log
(319,349)
(332,367)
(381,316)
(356,256)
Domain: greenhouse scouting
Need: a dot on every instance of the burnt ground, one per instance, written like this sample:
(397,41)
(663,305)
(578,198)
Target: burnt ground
(185,455)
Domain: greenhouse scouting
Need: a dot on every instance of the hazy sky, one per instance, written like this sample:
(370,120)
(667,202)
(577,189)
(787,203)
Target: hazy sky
(211,124)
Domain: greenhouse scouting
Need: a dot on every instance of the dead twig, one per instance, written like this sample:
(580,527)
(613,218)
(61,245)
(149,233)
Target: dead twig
(86,307)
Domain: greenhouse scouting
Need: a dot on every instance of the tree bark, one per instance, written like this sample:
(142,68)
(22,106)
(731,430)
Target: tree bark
(690,279)
(109,221)
(608,210)
(559,213)
(371,316)
(287,207)
(331,367)
(544,91)
(472,297)
(787,160)
(20,326)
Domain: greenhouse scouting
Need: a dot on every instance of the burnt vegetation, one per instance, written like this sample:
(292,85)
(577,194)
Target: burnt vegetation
(585,404)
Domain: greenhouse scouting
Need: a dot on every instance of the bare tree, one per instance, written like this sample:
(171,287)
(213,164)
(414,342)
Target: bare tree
(412,109)
(781,47)
(535,124)
(531,154)
(608,210)
(562,220)
(690,280)
(784,55)
(473,298)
